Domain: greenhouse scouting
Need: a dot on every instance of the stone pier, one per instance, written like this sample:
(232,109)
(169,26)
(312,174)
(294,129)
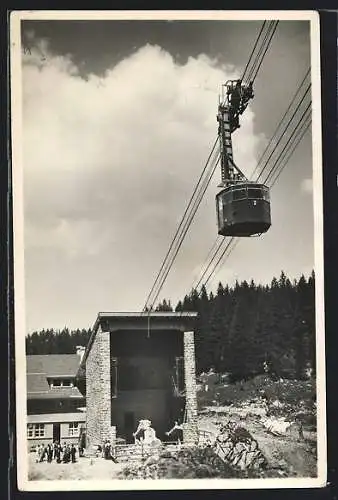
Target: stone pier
(98,390)
(190,429)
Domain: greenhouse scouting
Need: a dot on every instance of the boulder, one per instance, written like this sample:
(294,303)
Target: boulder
(236,446)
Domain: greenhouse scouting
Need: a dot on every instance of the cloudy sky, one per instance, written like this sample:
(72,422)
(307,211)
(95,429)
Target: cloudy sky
(118,120)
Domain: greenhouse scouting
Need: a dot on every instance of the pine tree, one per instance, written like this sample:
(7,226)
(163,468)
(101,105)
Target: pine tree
(164,306)
(179,307)
(220,290)
(237,329)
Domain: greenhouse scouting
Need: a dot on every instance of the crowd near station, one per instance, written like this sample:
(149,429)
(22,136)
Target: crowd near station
(65,453)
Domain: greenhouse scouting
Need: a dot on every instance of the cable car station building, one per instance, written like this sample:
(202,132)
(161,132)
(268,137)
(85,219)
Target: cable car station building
(139,366)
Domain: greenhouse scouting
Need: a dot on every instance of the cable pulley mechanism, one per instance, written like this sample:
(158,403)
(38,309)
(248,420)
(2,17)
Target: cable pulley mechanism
(243,207)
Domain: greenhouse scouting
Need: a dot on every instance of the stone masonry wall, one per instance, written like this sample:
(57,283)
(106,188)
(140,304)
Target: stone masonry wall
(190,429)
(98,393)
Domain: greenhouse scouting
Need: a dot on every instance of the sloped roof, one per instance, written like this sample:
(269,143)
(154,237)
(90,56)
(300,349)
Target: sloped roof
(56,417)
(37,382)
(40,367)
(55,393)
(53,365)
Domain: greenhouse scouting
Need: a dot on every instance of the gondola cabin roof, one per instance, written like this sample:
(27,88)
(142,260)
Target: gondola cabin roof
(245,185)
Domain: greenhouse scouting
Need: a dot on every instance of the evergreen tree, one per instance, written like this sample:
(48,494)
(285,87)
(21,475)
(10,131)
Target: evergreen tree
(164,306)
(179,307)
(237,329)
(52,341)
(220,290)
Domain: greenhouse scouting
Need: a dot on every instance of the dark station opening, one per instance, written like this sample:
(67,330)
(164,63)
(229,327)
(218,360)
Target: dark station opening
(147,380)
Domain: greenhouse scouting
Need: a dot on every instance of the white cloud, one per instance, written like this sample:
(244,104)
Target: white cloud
(110,163)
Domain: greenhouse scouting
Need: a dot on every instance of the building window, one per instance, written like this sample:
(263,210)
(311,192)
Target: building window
(60,382)
(255,193)
(35,430)
(39,430)
(73,429)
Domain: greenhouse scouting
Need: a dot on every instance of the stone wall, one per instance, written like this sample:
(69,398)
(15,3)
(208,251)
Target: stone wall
(98,391)
(98,395)
(190,429)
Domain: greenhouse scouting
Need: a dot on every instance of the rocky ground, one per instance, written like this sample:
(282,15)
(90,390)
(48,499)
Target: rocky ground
(279,414)
(287,455)
(277,425)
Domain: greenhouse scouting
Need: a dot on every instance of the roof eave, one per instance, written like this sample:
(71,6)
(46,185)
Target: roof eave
(155,314)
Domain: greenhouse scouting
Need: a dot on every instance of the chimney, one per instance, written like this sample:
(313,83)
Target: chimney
(80,350)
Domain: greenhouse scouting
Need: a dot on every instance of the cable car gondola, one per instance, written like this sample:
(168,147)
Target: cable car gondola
(243,207)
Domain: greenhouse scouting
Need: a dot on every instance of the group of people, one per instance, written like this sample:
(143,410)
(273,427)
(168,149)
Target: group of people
(107,451)
(146,434)
(61,454)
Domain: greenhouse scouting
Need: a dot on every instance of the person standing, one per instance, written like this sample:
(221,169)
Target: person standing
(68,453)
(49,453)
(107,449)
(73,453)
(64,453)
(43,452)
(58,452)
(177,433)
(55,447)
(37,453)
(81,444)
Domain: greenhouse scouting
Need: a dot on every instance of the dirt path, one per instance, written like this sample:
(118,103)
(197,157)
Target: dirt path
(288,454)
(84,468)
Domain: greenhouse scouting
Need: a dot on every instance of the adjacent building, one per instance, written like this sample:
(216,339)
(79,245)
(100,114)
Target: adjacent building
(55,406)
(139,366)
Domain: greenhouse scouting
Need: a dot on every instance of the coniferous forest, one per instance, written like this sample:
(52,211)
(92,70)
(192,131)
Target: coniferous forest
(239,329)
